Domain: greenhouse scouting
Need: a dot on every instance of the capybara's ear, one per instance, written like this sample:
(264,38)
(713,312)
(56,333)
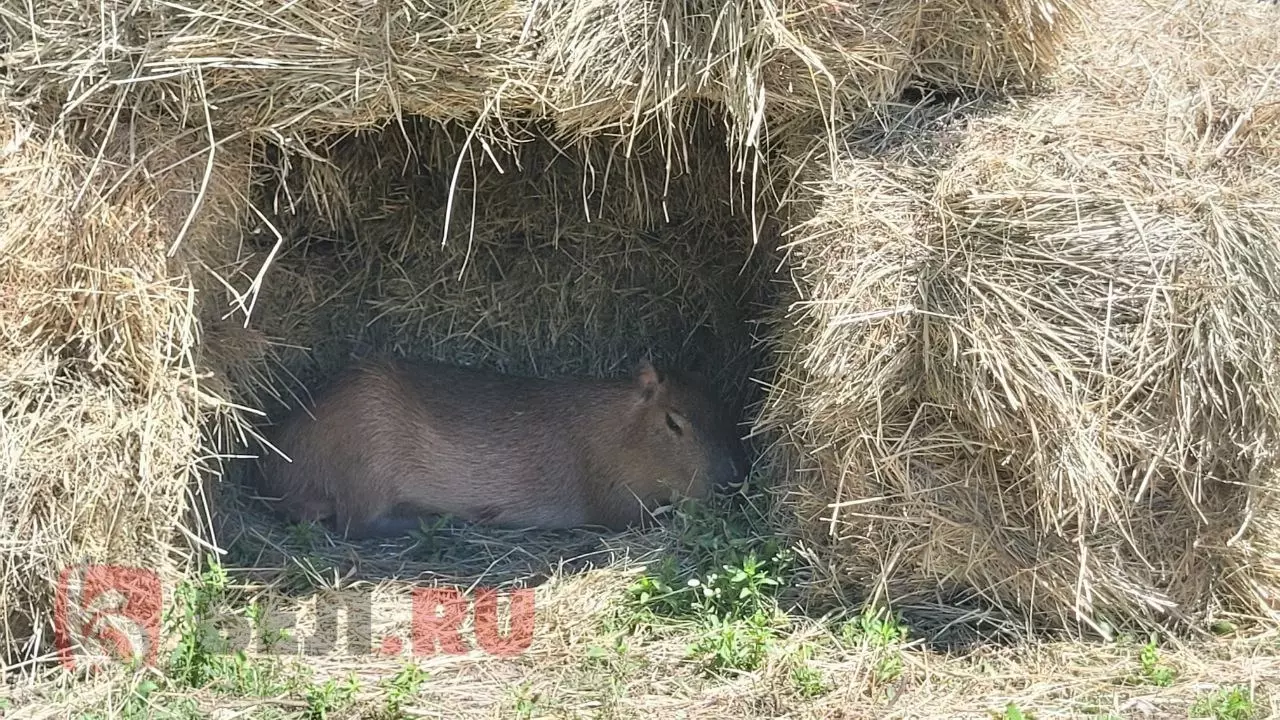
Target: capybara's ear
(648,379)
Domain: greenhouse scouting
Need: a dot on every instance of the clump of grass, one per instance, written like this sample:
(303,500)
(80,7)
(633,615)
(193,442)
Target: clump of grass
(1233,703)
(728,644)
(525,701)
(881,632)
(1013,712)
(1151,671)
(329,697)
(403,686)
(808,681)
(721,585)
(213,637)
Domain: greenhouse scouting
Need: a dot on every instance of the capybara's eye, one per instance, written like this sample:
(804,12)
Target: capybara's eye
(675,427)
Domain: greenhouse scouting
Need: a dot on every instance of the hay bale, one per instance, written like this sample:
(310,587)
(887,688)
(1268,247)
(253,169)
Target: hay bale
(1033,358)
(591,65)
(101,412)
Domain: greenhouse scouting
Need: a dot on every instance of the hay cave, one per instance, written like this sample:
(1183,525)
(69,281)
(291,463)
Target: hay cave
(556,260)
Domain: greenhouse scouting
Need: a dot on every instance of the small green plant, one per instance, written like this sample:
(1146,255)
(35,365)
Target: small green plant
(196,656)
(526,702)
(739,590)
(137,703)
(808,681)
(743,590)
(307,572)
(202,656)
(428,543)
(305,535)
(404,685)
(660,594)
(875,627)
(883,633)
(1153,671)
(1234,703)
(330,697)
(734,644)
(1013,712)
(615,655)
(142,703)
(269,636)
(1222,627)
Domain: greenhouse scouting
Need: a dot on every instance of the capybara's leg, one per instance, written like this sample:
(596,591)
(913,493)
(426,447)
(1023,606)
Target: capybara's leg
(385,526)
(312,510)
(361,519)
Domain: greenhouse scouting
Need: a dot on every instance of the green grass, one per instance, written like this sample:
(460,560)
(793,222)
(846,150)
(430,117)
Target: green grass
(725,593)
(1233,703)
(883,634)
(1013,712)
(525,702)
(807,681)
(402,687)
(205,617)
(330,696)
(714,617)
(1153,671)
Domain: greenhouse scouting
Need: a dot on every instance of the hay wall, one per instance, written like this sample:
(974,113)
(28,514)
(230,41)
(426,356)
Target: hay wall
(1032,358)
(101,400)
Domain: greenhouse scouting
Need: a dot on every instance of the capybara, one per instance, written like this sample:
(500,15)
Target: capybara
(392,440)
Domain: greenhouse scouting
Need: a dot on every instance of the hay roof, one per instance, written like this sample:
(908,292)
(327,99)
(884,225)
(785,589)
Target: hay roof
(591,65)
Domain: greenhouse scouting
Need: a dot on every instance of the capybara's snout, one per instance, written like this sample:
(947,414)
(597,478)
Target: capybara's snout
(732,467)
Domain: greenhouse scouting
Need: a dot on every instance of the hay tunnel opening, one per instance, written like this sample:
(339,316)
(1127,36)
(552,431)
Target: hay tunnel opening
(513,252)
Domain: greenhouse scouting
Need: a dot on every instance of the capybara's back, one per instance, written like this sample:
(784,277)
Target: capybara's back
(391,440)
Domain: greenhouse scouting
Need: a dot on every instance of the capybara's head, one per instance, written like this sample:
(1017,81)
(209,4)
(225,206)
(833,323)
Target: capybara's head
(684,442)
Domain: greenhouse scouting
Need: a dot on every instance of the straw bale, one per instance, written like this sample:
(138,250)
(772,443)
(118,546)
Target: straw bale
(588,64)
(1032,357)
(100,407)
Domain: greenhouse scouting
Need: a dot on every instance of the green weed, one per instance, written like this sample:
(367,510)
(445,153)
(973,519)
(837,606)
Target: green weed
(808,681)
(734,644)
(1235,703)
(1013,712)
(1152,670)
(526,702)
(329,697)
(203,656)
(403,686)
(881,632)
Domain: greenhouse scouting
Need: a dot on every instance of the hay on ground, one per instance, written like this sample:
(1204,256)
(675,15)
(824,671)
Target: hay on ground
(1033,357)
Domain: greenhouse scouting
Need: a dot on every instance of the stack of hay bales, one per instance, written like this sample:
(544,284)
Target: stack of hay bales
(101,405)
(136,240)
(1034,353)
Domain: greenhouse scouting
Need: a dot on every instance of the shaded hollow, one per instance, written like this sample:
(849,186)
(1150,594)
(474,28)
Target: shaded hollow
(533,258)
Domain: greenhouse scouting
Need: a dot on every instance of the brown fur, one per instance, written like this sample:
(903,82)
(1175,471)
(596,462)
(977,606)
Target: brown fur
(392,440)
